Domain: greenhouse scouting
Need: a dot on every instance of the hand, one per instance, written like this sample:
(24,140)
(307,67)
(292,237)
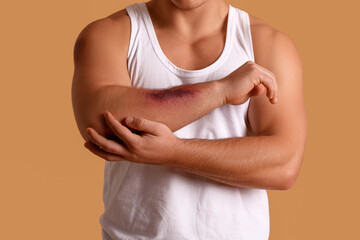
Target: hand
(152,145)
(250,79)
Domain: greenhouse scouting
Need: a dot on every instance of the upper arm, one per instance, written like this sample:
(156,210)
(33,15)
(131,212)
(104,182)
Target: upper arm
(276,52)
(100,58)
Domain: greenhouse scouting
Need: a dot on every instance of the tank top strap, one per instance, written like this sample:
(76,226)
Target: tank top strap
(243,32)
(134,13)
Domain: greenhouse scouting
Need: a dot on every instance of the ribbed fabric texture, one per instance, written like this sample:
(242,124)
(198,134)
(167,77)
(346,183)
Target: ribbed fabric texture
(157,202)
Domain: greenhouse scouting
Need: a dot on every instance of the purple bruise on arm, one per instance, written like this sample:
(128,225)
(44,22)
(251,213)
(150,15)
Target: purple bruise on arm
(171,94)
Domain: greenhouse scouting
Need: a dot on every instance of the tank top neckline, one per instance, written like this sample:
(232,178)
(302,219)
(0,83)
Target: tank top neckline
(171,66)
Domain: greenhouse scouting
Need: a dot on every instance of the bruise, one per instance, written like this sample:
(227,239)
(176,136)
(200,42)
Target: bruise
(171,94)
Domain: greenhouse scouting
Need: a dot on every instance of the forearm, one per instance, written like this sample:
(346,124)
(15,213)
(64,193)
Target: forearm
(256,162)
(176,107)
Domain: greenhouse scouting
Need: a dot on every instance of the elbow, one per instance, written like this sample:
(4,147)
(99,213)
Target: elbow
(96,122)
(89,113)
(289,168)
(82,126)
(287,180)
(289,173)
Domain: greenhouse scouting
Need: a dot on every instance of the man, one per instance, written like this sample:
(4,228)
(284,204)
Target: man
(168,92)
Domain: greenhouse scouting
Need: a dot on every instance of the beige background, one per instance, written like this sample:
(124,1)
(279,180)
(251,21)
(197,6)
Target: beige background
(51,186)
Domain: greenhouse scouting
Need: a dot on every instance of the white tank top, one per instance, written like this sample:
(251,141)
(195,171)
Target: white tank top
(145,201)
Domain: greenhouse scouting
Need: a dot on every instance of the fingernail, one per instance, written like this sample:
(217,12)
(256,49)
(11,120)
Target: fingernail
(85,145)
(88,131)
(275,99)
(130,120)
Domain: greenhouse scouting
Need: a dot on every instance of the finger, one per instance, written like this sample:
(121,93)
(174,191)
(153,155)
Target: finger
(107,145)
(101,153)
(266,78)
(120,131)
(266,71)
(144,125)
(272,78)
(274,96)
(271,87)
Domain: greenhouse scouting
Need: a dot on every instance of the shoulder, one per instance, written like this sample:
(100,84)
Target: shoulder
(112,26)
(273,49)
(111,31)
(276,51)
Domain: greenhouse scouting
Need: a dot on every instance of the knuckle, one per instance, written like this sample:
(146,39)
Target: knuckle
(275,86)
(274,81)
(257,81)
(253,69)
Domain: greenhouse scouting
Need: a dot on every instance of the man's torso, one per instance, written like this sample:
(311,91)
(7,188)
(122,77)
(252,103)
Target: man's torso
(191,56)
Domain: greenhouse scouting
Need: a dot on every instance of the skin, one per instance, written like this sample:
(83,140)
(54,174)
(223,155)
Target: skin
(269,157)
(171,95)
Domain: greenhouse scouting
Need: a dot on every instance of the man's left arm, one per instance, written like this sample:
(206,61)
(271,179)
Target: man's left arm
(271,157)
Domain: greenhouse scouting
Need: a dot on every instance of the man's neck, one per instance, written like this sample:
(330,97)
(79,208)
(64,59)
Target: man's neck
(191,21)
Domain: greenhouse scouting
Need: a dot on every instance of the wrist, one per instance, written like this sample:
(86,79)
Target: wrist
(221,88)
(175,153)
(223,85)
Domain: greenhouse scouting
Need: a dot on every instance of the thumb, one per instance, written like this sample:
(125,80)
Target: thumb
(143,125)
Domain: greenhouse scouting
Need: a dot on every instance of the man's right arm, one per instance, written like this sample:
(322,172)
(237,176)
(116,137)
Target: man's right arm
(101,83)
